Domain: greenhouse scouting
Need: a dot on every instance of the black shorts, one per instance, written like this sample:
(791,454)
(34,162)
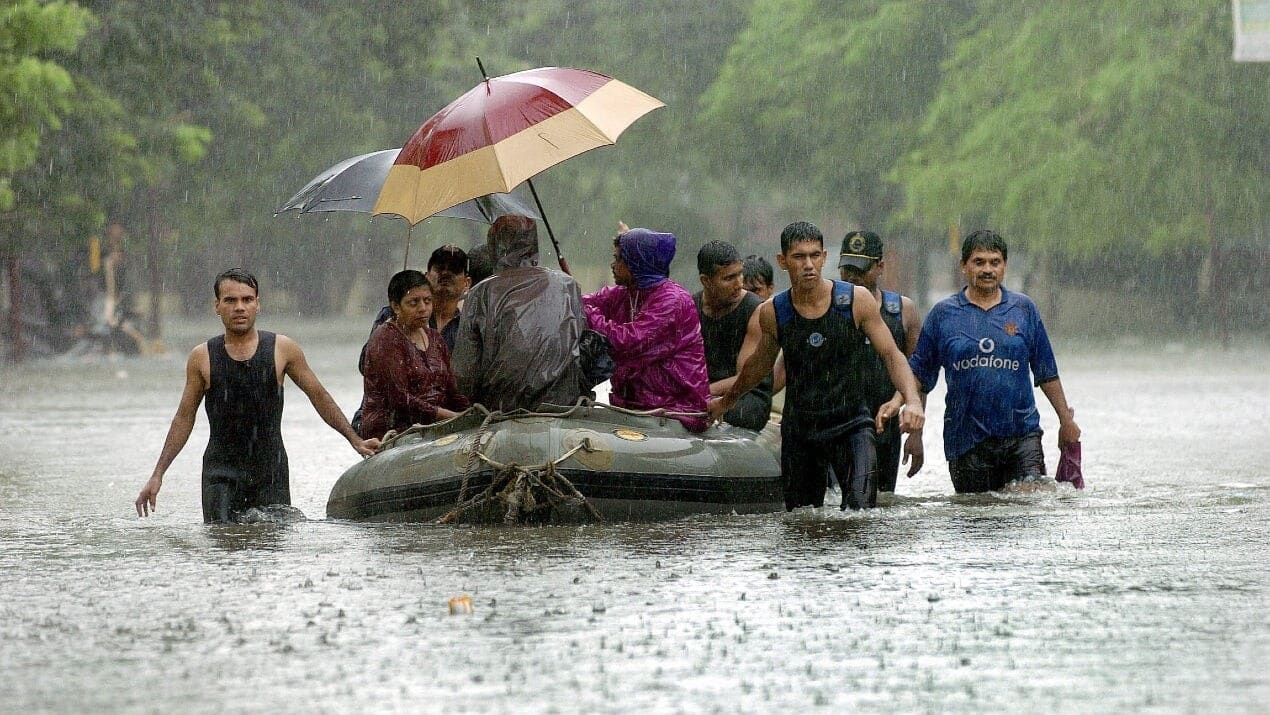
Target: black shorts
(225,500)
(805,465)
(997,461)
(889,457)
(751,412)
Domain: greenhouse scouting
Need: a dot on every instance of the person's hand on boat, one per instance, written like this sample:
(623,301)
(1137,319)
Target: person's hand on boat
(717,406)
(366,447)
(914,452)
(149,495)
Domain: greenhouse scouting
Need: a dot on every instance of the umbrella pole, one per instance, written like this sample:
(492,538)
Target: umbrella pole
(564,264)
(405,262)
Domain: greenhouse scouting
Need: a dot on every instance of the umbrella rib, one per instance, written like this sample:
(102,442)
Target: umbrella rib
(489,141)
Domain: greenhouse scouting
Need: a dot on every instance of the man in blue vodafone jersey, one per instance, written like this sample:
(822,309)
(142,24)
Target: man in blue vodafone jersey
(992,346)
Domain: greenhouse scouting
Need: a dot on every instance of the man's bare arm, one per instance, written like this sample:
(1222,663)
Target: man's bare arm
(1068,430)
(758,354)
(197,375)
(718,387)
(297,368)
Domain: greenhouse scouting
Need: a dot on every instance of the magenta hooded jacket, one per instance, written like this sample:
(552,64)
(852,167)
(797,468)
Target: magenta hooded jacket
(654,333)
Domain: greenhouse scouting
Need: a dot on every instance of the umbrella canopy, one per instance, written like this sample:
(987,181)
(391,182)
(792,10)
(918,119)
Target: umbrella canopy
(503,132)
(354,185)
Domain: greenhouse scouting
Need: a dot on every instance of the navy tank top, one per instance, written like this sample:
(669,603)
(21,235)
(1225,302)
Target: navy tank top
(879,379)
(244,410)
(824,363)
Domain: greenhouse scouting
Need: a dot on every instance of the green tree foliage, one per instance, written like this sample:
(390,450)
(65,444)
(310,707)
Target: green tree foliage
(829,96)
(1074,127)
(35,91)
(1071,127)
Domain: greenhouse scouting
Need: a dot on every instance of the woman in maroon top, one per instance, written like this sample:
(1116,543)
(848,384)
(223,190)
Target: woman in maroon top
(408,379)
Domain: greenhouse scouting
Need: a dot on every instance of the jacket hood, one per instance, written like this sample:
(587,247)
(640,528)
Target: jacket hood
(648,255)
(513,240)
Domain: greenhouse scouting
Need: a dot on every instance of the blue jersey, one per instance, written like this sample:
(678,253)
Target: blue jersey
(986,356)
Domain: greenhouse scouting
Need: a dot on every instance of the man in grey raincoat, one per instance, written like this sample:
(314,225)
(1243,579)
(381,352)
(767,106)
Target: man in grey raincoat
(517,345)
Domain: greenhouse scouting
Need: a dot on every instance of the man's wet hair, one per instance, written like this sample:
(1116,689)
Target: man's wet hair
(755,266)
(983,240)
(449,258)
(480,263)
(402,282)
(237,275)
(715,255)
(511,232)
(799,231)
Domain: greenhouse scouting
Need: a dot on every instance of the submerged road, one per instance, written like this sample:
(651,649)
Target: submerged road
(1147,591)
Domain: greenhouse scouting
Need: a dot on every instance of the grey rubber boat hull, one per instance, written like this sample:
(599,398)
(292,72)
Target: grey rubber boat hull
(633,467)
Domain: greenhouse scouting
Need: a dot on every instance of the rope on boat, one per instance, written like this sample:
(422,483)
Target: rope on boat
(473,452)
(524,491)
(491,416)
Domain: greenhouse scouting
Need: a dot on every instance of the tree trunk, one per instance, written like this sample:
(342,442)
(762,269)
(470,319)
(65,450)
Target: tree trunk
(1218,292)
(921,287)
(1051,284)
(154,324)
(15,310)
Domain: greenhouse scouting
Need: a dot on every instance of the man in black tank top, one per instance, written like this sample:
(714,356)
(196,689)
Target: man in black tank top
(821,325)
(724,307)
(240,373)
(861,262)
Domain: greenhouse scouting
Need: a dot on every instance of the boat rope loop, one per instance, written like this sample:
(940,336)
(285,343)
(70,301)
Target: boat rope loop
(524,492)
(391,439)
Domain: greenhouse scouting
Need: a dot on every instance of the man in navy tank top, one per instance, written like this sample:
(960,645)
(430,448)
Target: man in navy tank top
(987,340)
(241,375)
(861,262)
(821,326)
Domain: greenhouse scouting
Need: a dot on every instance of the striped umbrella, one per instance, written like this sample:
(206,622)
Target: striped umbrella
(504,131)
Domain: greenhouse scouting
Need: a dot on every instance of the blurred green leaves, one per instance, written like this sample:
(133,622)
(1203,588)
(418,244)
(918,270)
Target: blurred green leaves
(1070,127)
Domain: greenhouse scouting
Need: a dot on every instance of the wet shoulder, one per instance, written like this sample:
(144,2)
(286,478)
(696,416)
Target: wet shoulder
(1020,302)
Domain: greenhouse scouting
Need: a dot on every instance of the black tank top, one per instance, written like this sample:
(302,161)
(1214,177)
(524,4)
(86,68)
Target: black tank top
(825,396)
(244,410)
(879,380)
(723,338)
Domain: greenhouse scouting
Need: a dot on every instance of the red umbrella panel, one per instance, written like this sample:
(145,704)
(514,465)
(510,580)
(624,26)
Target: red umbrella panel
(503,132)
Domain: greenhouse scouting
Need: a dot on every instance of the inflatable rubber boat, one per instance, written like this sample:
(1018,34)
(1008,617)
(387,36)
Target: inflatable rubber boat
(590,461)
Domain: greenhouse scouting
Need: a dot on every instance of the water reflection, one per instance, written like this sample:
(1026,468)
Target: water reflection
(245,537)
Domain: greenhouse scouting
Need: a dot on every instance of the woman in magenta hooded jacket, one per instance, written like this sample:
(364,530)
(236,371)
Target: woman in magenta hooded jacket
(653,328)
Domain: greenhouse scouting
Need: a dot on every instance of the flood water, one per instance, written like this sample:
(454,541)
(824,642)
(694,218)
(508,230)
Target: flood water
(1146,591)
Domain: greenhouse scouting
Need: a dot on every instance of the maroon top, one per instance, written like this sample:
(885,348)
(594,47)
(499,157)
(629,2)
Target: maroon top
(405,385)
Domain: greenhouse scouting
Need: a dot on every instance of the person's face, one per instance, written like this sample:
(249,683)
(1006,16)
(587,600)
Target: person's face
(237,306)
(725,288)
(759,287)
(449,285)
(621,272)
(867,277)
(803,261)
(415,308)
(984,270)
